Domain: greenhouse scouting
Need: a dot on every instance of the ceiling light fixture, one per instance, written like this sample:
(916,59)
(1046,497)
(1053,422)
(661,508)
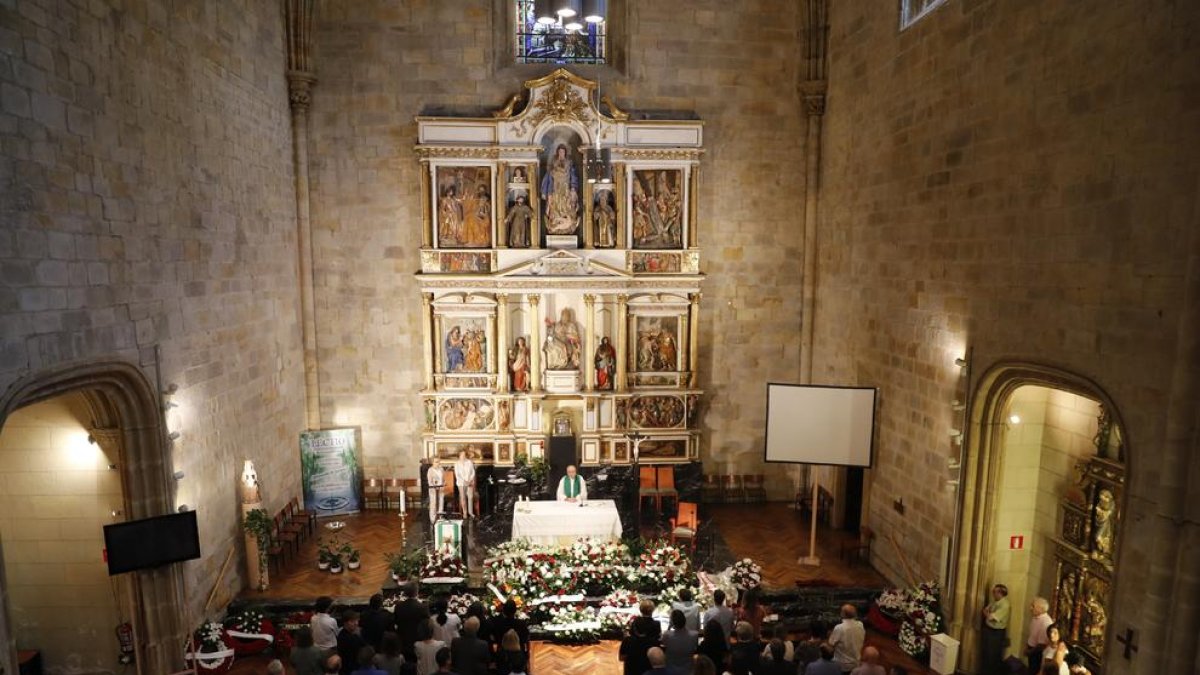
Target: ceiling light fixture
(595,11)
(569,8)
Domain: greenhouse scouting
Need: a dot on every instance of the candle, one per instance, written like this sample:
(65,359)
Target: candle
(403,503)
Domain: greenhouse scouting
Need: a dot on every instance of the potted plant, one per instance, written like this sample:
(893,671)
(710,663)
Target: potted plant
(352,561)
(404,566)
(324,554)
(336,562)
(258,523)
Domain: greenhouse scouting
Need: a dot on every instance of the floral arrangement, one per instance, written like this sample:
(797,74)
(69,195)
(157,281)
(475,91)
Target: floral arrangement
(911,642)
(248,621)
(747,574)
(623,600)
(921,618)
(211,637)
(661,554)
(893,602)
(442,566)
(460,603)
(573,624)
(249,633)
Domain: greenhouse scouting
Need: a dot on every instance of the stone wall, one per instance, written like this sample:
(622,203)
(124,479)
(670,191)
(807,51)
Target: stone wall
(1019,178)
(146,197)
(381,64)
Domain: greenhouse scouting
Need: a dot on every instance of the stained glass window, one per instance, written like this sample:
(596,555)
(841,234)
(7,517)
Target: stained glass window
(553,43)
(912,11)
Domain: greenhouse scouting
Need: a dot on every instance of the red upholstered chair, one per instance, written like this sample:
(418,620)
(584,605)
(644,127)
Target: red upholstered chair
(666,485)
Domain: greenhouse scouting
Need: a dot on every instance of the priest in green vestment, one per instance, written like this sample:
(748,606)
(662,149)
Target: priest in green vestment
(572,487)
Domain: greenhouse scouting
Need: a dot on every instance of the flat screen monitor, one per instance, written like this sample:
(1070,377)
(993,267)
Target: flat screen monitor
(813,424)
(151,542)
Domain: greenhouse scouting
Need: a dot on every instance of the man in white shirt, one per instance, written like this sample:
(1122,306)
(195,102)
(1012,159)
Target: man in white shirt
(435,478)
(847,639)
(722,614)
(1037,641)
(691,611)
(572,487)
(324,627)
(464,478)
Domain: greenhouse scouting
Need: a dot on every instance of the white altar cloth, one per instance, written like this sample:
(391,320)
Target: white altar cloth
(553,522)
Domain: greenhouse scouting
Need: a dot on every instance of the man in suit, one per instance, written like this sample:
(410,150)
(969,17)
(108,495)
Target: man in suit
(376,621)
(408,614)
(349,641)
(468,653)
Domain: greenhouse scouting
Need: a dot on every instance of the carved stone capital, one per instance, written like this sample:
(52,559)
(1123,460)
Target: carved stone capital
(300,88)
(814,105)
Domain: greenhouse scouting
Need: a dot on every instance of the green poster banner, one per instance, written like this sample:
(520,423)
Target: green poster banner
(331,471)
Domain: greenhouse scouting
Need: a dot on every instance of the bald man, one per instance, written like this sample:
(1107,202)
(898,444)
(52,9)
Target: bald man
(572,487)
(847,639)
(870,663)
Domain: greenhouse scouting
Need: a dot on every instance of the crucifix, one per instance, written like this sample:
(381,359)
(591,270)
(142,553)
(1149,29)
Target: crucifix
(1128,641)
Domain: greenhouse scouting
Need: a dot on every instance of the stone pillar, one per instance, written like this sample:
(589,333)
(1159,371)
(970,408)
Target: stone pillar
(535,347)
(589,341)
(251,497)
(300,79)
(694,341)
(622,341)
(814,107)
(501,343)
(430,341)
(693,211)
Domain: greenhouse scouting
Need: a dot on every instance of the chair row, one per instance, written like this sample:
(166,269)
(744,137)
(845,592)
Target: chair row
(657,484)
(386,493)
(289,527)
(734,488)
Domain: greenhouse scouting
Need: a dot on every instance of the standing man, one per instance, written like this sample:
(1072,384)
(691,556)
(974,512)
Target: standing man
(719,613)
(571,487)
(1037,641)
(435,478)
(995,630)
(847,639)
(464,478)
(325,627)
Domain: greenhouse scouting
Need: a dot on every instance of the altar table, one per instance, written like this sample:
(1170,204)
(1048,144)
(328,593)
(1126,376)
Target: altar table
(553,522)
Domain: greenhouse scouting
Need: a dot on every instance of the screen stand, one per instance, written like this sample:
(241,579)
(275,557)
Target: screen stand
(812,560)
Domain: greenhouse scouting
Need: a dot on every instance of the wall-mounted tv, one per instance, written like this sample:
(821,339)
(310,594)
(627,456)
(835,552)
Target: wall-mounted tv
(151,542)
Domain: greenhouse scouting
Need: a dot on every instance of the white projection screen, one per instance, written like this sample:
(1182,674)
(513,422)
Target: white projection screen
(811,424)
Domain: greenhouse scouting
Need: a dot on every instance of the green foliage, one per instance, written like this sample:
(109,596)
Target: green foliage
(405,564)
(259,524)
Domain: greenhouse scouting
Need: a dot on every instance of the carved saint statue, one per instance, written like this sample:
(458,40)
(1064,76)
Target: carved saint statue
(562,342)
(517,221)
(606,363)
(1102,531)
(605,218)
(560,193)
(518,365)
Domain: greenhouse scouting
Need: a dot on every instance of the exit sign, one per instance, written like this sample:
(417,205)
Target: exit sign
(1016,542)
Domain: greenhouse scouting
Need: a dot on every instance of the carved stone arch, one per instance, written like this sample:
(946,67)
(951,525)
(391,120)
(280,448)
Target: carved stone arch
(126,412)
(975,530)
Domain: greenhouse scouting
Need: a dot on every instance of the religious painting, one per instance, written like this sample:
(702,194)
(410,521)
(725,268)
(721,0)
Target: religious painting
(518,215)
(464,206)
(643,380)
(503,414)
(655,263)
(560,187)
(658,208)
(1066,595)
(620,451)
(466,262)
(466,414)
(657,412)
(476,452)
(1075,525)
(504,453)
(1093,615)
(672,448)
(656,344)
(465,345)
(621,414)
(430,414)
(604,217)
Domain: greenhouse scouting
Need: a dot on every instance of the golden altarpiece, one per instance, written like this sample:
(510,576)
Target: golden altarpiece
(560,279)
(1086,548)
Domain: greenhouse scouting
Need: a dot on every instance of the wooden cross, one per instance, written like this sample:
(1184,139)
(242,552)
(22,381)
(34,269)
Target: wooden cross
(1128,641)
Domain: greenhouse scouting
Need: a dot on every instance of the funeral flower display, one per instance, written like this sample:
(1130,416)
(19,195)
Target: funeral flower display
(618,609)
(209,652)
(460,603)
(249,632)
(921,617)
(443,568)
(573,624)
(747,574)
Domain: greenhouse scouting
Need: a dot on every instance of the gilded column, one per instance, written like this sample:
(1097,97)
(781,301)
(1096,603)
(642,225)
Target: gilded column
(589,341)
(535,347)
(685,341)
(693,212)
(619,185)
(500,199)
(431,344)
(426,207)
(300,79)
(588,196)
(501,344)
(694,341)
(492,357)
(622,340)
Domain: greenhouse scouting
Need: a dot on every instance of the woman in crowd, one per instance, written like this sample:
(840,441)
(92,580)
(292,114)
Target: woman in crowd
(426,647)
(446,624)
(510,659)
(752,612)
(680,644)
(389,659)
(715,646)
(1055,651)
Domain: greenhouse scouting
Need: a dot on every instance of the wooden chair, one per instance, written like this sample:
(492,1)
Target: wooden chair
(275,551)
(285,534)
(685,524)
(666,485)
(411,487)
(710,491)
(731,488)
(392,487)
(648,487)
(755,488)
(307,517)
(372,489)
(860,549)
(294,523)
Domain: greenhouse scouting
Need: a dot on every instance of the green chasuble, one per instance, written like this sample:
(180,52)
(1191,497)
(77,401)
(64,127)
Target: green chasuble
(571,486)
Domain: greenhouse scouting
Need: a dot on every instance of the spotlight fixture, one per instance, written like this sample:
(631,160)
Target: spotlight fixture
(171,389)
(569,8)
(573,23)
(183,508)
(178,475)
(960,362)
(173,436)
(958,406)
(170,404)
(955,433)
(1014,418)
(91,439)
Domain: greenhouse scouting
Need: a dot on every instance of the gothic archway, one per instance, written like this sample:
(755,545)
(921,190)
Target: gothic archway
(127,421)
(976,535)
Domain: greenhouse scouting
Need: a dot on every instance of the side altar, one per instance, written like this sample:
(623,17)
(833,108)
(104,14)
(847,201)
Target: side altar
(560,277)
